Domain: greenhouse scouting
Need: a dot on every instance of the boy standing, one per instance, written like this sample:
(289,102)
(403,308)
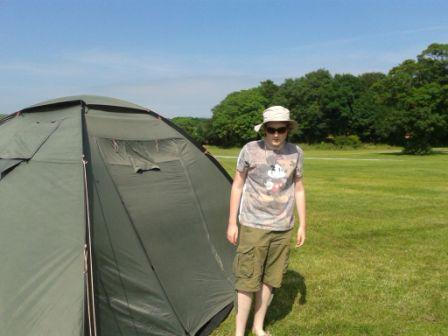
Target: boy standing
(267,185)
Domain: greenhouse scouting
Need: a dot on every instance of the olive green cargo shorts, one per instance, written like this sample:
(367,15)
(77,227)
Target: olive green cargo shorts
(261,257)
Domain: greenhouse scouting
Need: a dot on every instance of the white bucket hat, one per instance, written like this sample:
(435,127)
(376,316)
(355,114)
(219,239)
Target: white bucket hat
(275,113)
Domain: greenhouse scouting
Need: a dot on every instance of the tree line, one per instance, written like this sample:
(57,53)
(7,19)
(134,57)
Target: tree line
(407,107)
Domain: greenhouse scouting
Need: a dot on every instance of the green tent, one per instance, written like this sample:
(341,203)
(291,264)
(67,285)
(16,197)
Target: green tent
(112,222)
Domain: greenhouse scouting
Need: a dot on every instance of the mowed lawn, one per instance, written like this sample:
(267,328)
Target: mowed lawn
(375,261)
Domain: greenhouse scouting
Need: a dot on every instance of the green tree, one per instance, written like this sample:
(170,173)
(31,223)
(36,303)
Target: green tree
(307,98)
(368,79)
(407,107)
(363,118)
(422,121)
(365,110)
(433,63)
(346,90)
(413,101)
(234,118)
(268,89)
(197,128)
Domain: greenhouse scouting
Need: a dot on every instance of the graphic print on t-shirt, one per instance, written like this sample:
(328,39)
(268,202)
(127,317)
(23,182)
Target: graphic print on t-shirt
(276,178)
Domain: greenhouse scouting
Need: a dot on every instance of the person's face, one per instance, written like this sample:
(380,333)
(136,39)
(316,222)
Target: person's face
(276,133)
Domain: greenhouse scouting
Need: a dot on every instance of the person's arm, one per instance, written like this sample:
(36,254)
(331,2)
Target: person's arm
(299,193)
(235,197)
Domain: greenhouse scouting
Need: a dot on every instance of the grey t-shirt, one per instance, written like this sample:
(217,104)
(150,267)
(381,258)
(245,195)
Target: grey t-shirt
(267,201)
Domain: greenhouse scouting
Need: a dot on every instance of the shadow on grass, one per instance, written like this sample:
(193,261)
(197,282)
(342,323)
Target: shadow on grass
(284,297)
(399,153)
(293,284)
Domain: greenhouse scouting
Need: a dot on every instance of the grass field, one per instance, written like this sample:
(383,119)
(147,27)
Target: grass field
(376,257)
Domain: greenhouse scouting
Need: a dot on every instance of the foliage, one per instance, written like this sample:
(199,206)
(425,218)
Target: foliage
(197,128)
(414,102)
(234,118)
(350,141)
(406,107)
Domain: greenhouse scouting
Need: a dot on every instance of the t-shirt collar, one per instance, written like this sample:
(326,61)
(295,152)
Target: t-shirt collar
(266,146)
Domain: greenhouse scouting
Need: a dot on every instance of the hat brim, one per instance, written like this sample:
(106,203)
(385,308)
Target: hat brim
(258,127)
(292,124)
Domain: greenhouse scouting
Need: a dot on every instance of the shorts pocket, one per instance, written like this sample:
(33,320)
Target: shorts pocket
(243,266)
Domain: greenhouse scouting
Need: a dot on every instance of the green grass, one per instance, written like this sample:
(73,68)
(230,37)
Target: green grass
(375,261)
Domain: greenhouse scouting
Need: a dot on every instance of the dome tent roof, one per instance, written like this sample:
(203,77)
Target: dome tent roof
(120,179)
(90,100)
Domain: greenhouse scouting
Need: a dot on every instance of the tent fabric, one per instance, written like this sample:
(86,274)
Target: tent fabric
(7,165)
(22,138)
(123,270)
(42,230)
(161,264)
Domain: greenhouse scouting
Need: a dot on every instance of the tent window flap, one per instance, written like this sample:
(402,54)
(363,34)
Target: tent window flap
(128,153)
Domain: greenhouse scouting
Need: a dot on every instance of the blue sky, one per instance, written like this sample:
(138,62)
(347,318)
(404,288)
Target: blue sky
(184,57)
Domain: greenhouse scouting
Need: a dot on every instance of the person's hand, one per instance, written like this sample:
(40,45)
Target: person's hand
(300,237)
(232,234)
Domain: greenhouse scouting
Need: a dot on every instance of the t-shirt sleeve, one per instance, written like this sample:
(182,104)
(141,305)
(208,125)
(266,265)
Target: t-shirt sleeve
(299,166)
(243,160)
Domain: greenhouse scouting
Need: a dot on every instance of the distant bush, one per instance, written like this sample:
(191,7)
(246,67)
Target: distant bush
(323,145)
(418,146)
(344,141)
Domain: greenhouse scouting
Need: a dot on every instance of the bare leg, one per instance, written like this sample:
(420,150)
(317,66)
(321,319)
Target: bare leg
(262,300)
(244,303)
